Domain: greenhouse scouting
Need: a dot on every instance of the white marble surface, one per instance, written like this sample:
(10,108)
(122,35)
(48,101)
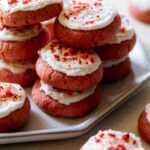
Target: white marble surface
(124,118)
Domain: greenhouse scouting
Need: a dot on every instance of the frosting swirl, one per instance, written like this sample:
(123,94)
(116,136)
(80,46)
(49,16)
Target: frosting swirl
(126,32)
(88,14)
(108,140)
(18,66)
(110,63)
(65,97)
(28,5)
(12,97)
(70,61)
(20,34)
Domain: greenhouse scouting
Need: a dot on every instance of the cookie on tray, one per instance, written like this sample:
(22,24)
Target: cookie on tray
(116,69)
(87,24)
(121,44)
(20,72)
(15,107)
(68,68)
(16,13)
(113,140)
(22,43)
(144,124)
(140,10)
(65,103)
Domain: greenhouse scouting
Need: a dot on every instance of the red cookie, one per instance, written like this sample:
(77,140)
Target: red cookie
(144,124)
(17,72)
(116,72)
(140,14)
(13,46)
(20,13)
(53,107)
(67,68)
(13,116)
(62,81)
(115,51)
(121,44)
(76,29)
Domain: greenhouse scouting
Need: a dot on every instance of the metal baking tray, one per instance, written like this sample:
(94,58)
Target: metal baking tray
(41,126)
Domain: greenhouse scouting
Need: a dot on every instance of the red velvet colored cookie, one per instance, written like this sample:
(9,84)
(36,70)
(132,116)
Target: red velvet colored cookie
(115,51)
(16,16)
(117,72)
(16,119)
(15,107)
(67,68)
(86,39)
(25,79)
(20,72)
(141,15)
(87,24)
(144,127)
(13,50)
(62,81)
(53,107)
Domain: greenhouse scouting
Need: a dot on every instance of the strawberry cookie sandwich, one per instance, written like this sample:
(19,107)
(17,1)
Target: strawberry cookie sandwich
(20,72)
(87,23)
(140,9)
(17,13)
(113,140)
(144,124)
(15,107)
(22,43)
(67,68)
(115,53)
(65,103)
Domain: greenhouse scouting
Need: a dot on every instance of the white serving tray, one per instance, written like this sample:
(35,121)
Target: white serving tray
(44,127)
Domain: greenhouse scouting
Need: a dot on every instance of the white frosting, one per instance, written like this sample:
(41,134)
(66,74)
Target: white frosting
(105,140)
(19,34)
(66,97)
(143,5)
(126,32)
(69,61)
(17,67)
(147,110)
(29,6)
(110,63)
(88,14)
(12,97)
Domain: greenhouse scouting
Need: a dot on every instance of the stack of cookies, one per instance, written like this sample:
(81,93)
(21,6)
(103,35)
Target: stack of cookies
(21,36)
(71,70)
(115,54)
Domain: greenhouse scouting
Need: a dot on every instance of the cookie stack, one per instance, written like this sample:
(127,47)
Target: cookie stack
(115,54)
(71,71)
(69,79)
(21,36)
